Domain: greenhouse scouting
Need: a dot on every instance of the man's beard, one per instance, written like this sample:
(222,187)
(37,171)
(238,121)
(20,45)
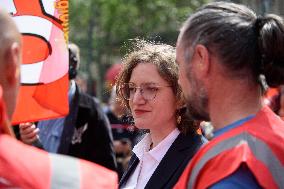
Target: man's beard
(197,102)
(196,107)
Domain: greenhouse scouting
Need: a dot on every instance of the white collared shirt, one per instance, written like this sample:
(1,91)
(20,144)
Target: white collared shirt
(148,160)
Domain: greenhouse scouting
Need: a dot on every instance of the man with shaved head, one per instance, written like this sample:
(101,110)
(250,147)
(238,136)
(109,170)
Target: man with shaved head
(10,59)
(22,166)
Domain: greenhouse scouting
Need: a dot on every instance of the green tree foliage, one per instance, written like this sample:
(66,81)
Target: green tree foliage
(102,27)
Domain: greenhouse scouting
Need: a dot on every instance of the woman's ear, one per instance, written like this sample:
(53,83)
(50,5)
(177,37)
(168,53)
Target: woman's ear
(180,102)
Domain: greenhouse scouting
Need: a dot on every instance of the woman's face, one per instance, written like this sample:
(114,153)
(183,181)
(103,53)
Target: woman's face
(159,112)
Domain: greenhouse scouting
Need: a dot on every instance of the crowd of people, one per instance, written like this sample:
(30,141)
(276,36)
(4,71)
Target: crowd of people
(223,81)
(24,166)
(84,127)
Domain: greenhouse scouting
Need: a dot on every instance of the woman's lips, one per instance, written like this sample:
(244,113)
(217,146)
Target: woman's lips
(140,112)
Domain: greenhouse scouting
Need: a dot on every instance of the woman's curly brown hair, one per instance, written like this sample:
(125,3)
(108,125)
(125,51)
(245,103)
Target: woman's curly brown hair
(163,57)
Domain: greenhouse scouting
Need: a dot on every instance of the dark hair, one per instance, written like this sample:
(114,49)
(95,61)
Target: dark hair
(247,45)
(74,60)
(163,57)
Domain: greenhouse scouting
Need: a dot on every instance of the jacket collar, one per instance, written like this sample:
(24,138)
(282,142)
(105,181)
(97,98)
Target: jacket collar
(79,97)
(183,148)
(133,162)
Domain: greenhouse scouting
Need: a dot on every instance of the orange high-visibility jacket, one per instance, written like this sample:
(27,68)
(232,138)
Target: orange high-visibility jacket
(27,167)
(4,125)
(258,143)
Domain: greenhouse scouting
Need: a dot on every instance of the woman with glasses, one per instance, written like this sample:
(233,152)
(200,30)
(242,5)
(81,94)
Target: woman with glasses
(148,86)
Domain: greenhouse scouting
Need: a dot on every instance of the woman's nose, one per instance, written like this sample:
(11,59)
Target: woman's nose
(138,97)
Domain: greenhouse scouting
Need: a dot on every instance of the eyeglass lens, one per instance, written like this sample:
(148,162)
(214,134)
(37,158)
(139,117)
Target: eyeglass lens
(148,91)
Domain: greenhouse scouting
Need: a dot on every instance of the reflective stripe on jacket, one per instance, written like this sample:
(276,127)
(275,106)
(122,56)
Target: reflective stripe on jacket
(26,167)
(259,143)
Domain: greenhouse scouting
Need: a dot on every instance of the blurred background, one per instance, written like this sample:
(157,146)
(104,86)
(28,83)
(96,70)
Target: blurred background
(102,29)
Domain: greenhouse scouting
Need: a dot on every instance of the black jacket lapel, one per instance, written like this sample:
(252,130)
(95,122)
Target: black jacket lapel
(175,161)
(133,162)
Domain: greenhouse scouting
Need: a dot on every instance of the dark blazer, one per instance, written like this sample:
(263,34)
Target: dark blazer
(87,133)
(173,163)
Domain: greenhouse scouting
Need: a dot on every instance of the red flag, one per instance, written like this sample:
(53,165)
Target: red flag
(44,72)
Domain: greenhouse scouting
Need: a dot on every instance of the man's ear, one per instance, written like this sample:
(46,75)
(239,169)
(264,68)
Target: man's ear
(12,59)
(202,59)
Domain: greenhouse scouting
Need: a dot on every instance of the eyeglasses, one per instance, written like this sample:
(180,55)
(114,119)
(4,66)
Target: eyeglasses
(147,90)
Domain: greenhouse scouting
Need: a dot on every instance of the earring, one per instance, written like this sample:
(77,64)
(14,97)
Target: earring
(178,119)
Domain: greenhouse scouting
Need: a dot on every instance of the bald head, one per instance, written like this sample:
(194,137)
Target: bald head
(9,32)
(10,60)
(75,50)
